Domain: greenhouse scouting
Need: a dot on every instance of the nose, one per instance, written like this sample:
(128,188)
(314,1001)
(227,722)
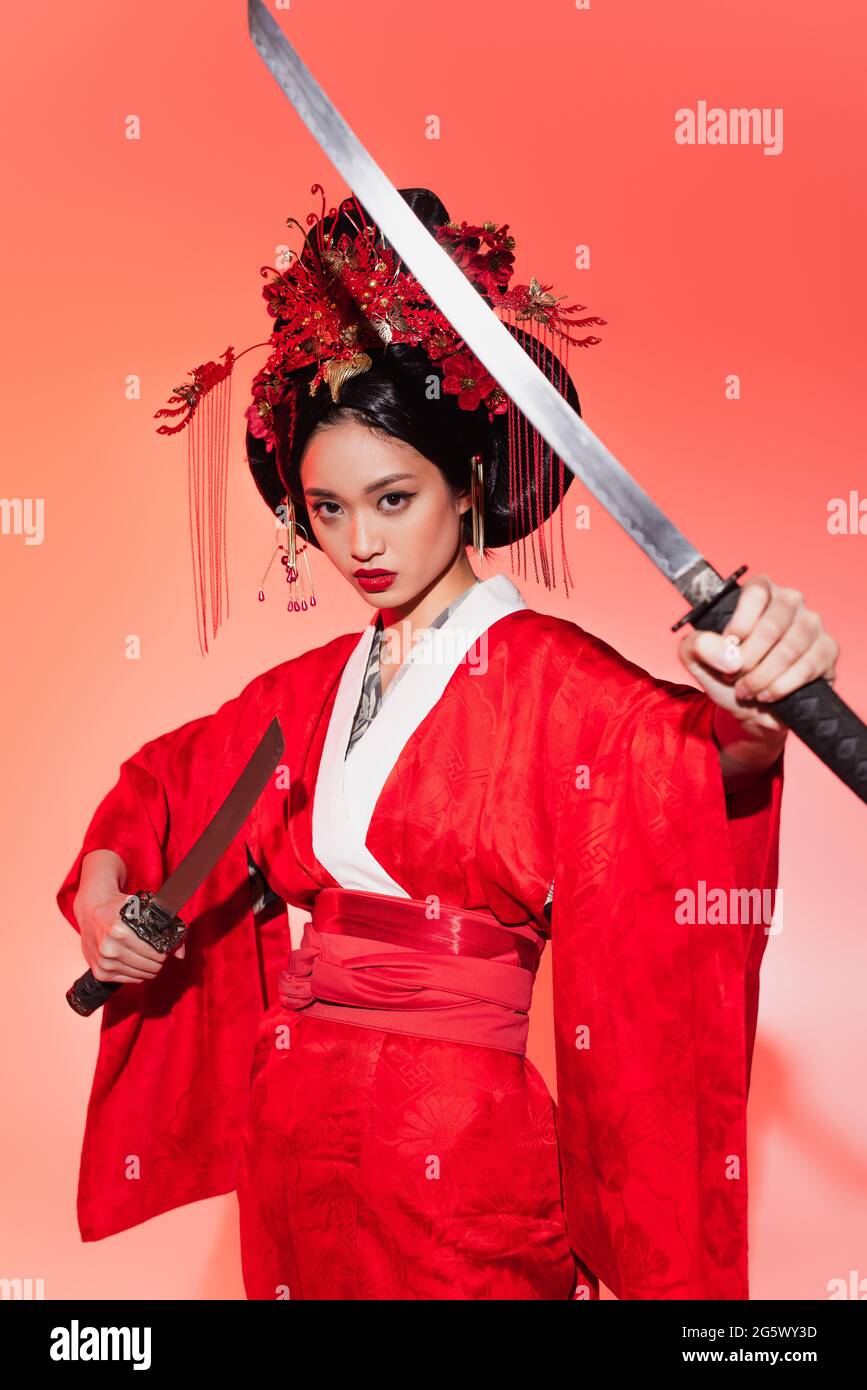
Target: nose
(364,543)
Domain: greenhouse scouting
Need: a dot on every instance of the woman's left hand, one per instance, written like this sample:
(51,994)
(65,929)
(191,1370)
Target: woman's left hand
(771,645)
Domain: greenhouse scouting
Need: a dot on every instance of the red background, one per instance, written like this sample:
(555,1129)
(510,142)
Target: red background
(141,257)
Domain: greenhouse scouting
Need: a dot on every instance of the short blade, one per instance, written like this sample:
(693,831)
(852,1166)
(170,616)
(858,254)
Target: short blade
(215,839)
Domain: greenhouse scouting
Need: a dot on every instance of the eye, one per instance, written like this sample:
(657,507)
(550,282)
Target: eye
(401,498)
(398,501)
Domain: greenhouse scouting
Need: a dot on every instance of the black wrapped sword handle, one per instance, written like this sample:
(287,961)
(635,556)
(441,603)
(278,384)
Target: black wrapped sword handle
(150,921)
(814,712)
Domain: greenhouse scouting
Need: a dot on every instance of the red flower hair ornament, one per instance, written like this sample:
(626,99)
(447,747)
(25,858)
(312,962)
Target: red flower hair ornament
(336,305)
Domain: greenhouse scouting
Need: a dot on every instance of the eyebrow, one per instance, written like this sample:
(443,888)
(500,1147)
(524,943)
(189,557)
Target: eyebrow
(374,487)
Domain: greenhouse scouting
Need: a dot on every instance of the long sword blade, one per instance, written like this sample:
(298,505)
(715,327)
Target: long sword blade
(819,716)
(568,435)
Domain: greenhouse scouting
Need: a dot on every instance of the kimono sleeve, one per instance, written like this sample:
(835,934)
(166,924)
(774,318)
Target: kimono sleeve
(162,786)
(171,1083)
(664,893)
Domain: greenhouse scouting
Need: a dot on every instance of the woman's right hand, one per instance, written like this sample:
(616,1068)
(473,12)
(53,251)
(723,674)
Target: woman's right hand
(115,954)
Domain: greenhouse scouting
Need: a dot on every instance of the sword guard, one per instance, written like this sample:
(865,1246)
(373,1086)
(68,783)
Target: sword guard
(152,923)
(706,604)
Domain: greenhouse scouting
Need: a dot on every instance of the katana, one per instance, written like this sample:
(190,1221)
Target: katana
(153,916)
(814,712)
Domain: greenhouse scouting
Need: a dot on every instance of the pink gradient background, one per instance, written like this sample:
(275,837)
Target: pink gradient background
(142,257)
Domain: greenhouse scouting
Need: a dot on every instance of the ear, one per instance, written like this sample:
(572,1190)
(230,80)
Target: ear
(464,496)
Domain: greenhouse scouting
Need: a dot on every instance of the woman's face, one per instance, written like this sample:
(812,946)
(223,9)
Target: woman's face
(376,504)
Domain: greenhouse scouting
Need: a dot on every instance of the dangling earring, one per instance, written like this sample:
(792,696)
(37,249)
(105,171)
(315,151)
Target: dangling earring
(289,559)
(477,498)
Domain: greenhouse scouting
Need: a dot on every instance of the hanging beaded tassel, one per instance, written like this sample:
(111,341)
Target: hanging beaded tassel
(207,474)
(526,516)
(205,403)
(301,595)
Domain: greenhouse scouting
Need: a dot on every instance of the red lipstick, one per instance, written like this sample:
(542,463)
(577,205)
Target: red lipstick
(374,580)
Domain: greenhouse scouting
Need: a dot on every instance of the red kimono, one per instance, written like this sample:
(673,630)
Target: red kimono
(381,1162)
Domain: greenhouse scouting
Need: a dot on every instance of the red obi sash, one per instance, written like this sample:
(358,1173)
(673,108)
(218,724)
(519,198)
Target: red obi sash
(458,975)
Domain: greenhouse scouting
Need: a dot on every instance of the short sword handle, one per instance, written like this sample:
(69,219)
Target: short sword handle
(150,921)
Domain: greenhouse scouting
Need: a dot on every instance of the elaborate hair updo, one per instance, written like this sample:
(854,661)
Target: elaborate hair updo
(400,396)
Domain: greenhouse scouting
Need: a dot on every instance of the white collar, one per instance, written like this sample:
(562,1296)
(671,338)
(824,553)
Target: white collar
(348,788)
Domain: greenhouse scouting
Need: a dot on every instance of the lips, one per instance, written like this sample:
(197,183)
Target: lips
(375,579)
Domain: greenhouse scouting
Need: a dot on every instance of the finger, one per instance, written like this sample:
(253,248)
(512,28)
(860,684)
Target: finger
(135,963)
(770,626)
(113,952)
(116,979)
(132,942)
(720,651)
(120,957)
(813,663)
(112,970)
(796,641)
(753,599)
